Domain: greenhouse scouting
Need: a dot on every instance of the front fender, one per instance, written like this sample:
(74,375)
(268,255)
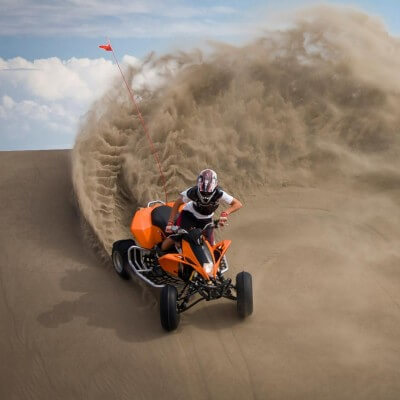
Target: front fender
(170,263)
(220,248)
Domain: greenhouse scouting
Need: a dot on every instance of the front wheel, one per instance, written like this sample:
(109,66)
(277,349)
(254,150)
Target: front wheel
(244,291)
(168,311)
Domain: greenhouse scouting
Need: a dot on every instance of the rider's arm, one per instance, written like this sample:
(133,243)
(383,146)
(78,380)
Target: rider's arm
(175,209)
(234,206)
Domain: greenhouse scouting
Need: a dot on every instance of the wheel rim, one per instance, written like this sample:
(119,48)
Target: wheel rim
(118,262)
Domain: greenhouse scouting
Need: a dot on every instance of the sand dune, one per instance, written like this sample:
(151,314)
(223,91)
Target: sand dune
(326,323)
(303,126)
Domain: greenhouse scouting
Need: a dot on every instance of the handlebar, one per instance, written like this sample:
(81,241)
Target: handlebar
(177,230)
(214,224)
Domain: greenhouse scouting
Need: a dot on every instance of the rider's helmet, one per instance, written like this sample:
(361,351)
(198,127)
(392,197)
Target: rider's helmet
(207,183)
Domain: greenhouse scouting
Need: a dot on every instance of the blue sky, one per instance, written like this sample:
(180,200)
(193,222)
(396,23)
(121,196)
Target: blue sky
(40,29)
(51,68)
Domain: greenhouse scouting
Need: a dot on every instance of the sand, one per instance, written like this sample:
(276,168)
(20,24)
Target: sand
(302,125)
(327,310)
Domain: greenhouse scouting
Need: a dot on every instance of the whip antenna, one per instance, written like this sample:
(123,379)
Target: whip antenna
(108,47)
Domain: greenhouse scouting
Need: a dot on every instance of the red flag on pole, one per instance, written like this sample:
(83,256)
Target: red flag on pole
(106,47)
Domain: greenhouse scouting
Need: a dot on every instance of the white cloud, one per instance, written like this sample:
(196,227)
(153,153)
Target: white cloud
(28,124)
(55,79)
(12,110)
(41,100)
(8,103)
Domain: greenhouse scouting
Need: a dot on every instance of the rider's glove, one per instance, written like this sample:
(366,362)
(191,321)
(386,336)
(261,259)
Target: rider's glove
(223,218)
(168,228)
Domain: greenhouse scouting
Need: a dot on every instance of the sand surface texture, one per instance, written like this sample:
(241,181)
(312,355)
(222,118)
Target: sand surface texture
(302,125)
(326,323)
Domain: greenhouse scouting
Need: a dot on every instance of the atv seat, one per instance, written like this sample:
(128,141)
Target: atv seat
(160,216)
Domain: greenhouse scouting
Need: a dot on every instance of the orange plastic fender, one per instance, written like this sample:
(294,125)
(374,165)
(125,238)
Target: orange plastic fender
(170,262)
(220,248)
(144,232)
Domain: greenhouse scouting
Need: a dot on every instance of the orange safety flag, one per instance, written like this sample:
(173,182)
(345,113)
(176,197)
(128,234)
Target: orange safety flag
(106,47)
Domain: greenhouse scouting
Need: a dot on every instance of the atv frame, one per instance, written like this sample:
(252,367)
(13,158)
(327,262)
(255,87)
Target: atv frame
(180,286)
(143,264)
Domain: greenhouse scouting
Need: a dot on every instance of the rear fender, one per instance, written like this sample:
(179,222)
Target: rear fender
(145,233)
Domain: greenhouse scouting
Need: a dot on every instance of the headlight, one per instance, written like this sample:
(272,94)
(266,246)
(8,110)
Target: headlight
(208,267)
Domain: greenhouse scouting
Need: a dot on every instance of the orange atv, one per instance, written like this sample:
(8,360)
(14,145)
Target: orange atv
(193,267)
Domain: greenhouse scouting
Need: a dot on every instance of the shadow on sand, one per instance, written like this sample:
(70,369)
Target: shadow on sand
(127,307)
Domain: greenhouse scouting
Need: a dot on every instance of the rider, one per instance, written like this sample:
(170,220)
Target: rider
(201,201)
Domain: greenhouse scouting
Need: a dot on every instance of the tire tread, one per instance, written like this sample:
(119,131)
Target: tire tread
(169,315)
(244,290)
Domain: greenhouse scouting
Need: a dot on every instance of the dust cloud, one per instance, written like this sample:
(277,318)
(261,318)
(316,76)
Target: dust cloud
(314,104)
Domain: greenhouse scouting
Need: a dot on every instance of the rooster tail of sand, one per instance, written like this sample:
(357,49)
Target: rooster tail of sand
(319,99)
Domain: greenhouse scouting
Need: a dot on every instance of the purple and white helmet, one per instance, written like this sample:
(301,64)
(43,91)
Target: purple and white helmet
(207,183)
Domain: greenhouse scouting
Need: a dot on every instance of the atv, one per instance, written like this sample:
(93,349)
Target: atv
(191,272)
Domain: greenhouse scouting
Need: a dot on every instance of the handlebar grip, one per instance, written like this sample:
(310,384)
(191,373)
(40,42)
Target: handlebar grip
(174,228)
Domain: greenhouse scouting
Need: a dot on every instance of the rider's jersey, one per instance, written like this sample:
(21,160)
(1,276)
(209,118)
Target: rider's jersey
(203,211)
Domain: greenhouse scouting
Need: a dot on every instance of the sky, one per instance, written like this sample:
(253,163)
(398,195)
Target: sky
(51,69)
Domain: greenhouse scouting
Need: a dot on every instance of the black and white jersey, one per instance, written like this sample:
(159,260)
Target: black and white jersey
(191,198)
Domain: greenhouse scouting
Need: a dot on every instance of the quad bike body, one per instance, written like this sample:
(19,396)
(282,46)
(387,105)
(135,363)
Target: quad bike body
(193,268)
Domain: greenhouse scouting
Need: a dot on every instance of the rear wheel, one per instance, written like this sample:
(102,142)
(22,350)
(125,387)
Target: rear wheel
(168,311)
(244,291)
(120,257)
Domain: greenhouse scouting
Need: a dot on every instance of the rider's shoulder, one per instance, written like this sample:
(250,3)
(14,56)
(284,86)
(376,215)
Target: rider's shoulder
(191,193)
(220,192)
